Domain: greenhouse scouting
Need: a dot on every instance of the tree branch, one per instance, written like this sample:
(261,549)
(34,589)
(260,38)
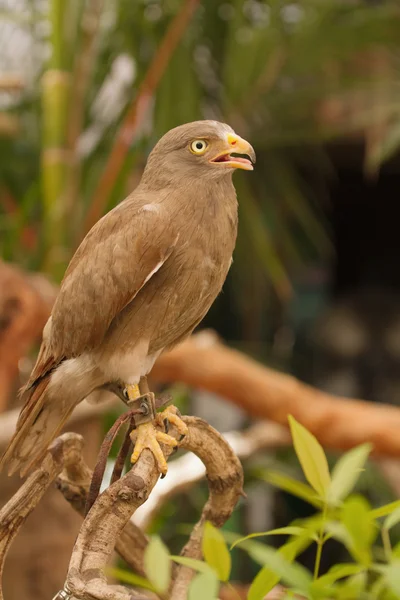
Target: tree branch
(339,423)
(225,483)
(108,524)
(187,470)
(65,452)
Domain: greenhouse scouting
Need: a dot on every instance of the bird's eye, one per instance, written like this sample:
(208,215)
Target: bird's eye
(198,147)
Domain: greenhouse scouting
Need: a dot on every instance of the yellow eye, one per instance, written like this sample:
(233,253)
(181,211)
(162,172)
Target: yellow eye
(198,147)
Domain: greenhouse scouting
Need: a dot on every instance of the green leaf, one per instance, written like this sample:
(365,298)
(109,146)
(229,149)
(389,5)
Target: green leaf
(216,552)
(192,563)
(353,587)
(392,519)
(291,530)
(346,472)
(392,576)
(312,458)
(294,547)
(264,582)
(396,551)
(356,517)
(339,532)
(292,574)
(266,579)
(325,586)
(204,586)
(385,510)
(128,577)
(338,572)
(292,486)
(157,564)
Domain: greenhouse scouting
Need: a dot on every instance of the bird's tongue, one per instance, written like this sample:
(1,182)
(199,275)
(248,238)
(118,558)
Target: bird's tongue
(229,157)
(240,159)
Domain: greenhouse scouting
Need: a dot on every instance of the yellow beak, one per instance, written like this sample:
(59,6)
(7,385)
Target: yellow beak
(236,145)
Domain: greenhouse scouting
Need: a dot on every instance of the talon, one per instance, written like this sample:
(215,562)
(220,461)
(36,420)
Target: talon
(171,414)
(148,437)
(166,425)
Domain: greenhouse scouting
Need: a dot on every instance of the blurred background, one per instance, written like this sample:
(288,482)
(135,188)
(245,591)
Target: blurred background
(86,89)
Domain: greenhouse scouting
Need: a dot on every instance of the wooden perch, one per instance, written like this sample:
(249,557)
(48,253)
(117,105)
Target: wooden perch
(338,423)
(108,525)
(184,472)
(64,453)
(112,511)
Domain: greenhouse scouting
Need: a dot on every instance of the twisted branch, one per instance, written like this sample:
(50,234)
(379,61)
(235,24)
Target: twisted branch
(108,525)
(108,521)
(64,453)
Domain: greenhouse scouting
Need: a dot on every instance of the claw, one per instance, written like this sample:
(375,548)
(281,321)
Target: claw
(148,437)
(171,415)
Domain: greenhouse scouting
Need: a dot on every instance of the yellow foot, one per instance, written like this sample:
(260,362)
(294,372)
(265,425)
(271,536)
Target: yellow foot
(170,415)
(147,436)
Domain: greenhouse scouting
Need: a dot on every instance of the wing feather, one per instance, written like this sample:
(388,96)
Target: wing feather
(115,260)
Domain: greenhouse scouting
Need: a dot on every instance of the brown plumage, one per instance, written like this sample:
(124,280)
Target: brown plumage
(140,282)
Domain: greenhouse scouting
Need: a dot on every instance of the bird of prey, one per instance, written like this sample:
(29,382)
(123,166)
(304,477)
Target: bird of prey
(140,282)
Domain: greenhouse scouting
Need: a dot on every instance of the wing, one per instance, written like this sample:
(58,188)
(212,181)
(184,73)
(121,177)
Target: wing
(115,260)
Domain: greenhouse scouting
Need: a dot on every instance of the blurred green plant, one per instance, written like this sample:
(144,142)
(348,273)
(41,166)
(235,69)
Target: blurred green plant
(370,574)
(287,75)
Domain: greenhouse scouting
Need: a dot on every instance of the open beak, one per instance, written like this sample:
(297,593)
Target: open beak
(236,146)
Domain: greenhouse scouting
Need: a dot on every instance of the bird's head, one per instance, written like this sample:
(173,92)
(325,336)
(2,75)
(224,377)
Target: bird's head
(201,149)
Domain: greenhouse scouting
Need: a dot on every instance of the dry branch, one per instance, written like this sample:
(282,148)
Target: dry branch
(112,511)
(65,452)
(187,470)
(338,423)
(225,482)
(108,525)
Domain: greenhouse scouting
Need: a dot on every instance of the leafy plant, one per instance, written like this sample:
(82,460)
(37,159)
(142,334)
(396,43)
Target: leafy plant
(372,572)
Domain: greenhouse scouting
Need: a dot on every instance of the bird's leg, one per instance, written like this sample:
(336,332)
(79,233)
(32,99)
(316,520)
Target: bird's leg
(169,415)
(146,435)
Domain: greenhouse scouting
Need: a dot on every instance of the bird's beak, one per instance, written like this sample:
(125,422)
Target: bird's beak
(236,145)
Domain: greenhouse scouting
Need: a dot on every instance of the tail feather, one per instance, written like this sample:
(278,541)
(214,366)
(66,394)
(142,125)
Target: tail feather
(41,419)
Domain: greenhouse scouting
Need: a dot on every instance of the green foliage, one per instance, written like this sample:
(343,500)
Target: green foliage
(346,472)
(204,585)
(157,554)
(312,458)
(347,517)
(215,552)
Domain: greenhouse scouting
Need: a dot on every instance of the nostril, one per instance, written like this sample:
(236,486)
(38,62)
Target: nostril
(233,142)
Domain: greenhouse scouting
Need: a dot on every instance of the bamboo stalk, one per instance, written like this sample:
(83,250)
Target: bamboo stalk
(54,160)
(136,113)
